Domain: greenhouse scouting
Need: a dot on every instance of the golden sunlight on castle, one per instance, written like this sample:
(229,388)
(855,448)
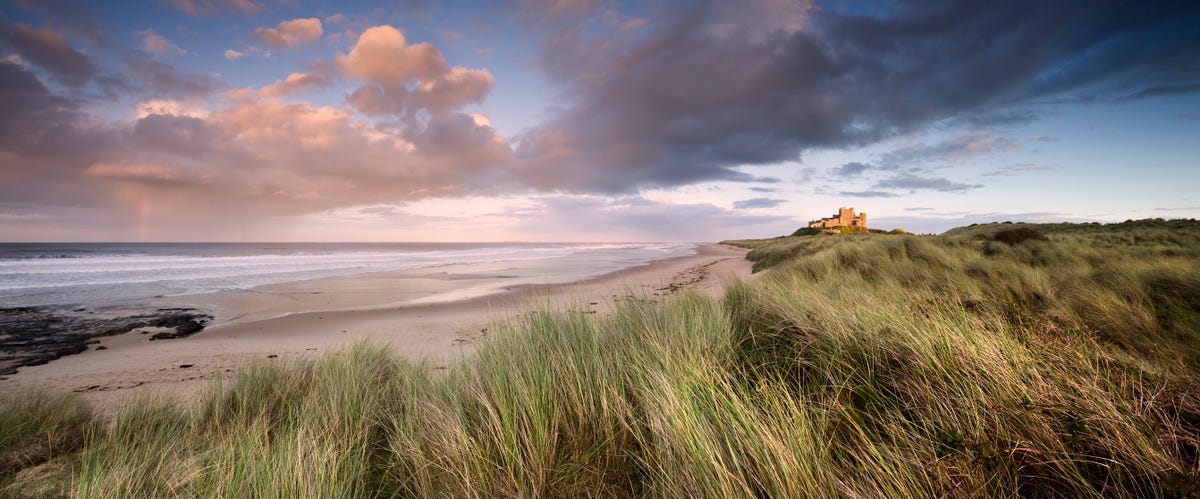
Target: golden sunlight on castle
(844,218)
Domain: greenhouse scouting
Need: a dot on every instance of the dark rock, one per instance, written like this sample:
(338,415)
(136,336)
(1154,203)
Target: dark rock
(32,336)
(185,366)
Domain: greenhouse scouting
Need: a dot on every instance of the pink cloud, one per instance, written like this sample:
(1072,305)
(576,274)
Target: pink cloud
(291,34)
(295,82)
(200,161)
(405,78)
(156,44)
(382,56)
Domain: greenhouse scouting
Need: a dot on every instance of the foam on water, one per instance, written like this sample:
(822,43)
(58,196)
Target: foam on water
(55,274)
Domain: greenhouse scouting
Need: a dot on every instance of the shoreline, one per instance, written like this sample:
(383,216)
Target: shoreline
(427,314)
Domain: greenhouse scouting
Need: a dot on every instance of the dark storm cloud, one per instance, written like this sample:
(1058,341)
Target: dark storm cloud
(49,50)
(42,141)
(140,75)
(30,110)
(758,203)
(38,125)
(685,101)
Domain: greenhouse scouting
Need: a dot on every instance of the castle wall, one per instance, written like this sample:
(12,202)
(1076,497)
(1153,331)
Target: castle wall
(845,218)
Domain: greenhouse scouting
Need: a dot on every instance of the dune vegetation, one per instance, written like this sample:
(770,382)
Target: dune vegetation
(1058,360)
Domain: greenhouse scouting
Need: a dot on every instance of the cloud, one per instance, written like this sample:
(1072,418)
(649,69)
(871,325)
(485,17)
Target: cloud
(914,182)
(295,82)
(206,8)
(1018,168)
(405,78)
(176,137)
(851,169)
(45,141)
(634,218)
(868,194)
(703,91)
(291,34)
(160,79)
(199,159)
(633,24)
(31,113)
(383,56)
(49,50)
(1042,138)
(233,163)
(763,189)
(1159,90)
(154,175)
(758,203)
(275,157)
(72,17)
(234,54)
(958,148)
(155,43)
(555,217)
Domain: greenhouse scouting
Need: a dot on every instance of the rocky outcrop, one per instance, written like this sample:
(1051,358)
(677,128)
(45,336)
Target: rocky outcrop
(33,336)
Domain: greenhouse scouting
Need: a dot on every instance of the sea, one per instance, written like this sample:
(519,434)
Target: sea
(37,274)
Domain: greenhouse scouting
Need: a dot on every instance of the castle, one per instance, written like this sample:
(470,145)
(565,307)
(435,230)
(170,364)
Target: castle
(844,218)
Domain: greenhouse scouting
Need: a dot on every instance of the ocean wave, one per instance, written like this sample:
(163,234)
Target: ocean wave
(33,281)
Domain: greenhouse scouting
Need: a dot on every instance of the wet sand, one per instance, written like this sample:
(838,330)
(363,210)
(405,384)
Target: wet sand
(433,314)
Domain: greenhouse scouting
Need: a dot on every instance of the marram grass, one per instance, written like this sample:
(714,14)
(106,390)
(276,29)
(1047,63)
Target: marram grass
(857,365)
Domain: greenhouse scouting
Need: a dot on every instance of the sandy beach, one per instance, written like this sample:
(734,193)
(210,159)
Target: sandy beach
(434,314)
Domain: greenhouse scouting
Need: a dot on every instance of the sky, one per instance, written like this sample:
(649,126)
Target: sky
(588,120)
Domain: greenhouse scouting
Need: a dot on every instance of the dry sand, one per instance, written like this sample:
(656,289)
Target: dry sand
(432,314)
